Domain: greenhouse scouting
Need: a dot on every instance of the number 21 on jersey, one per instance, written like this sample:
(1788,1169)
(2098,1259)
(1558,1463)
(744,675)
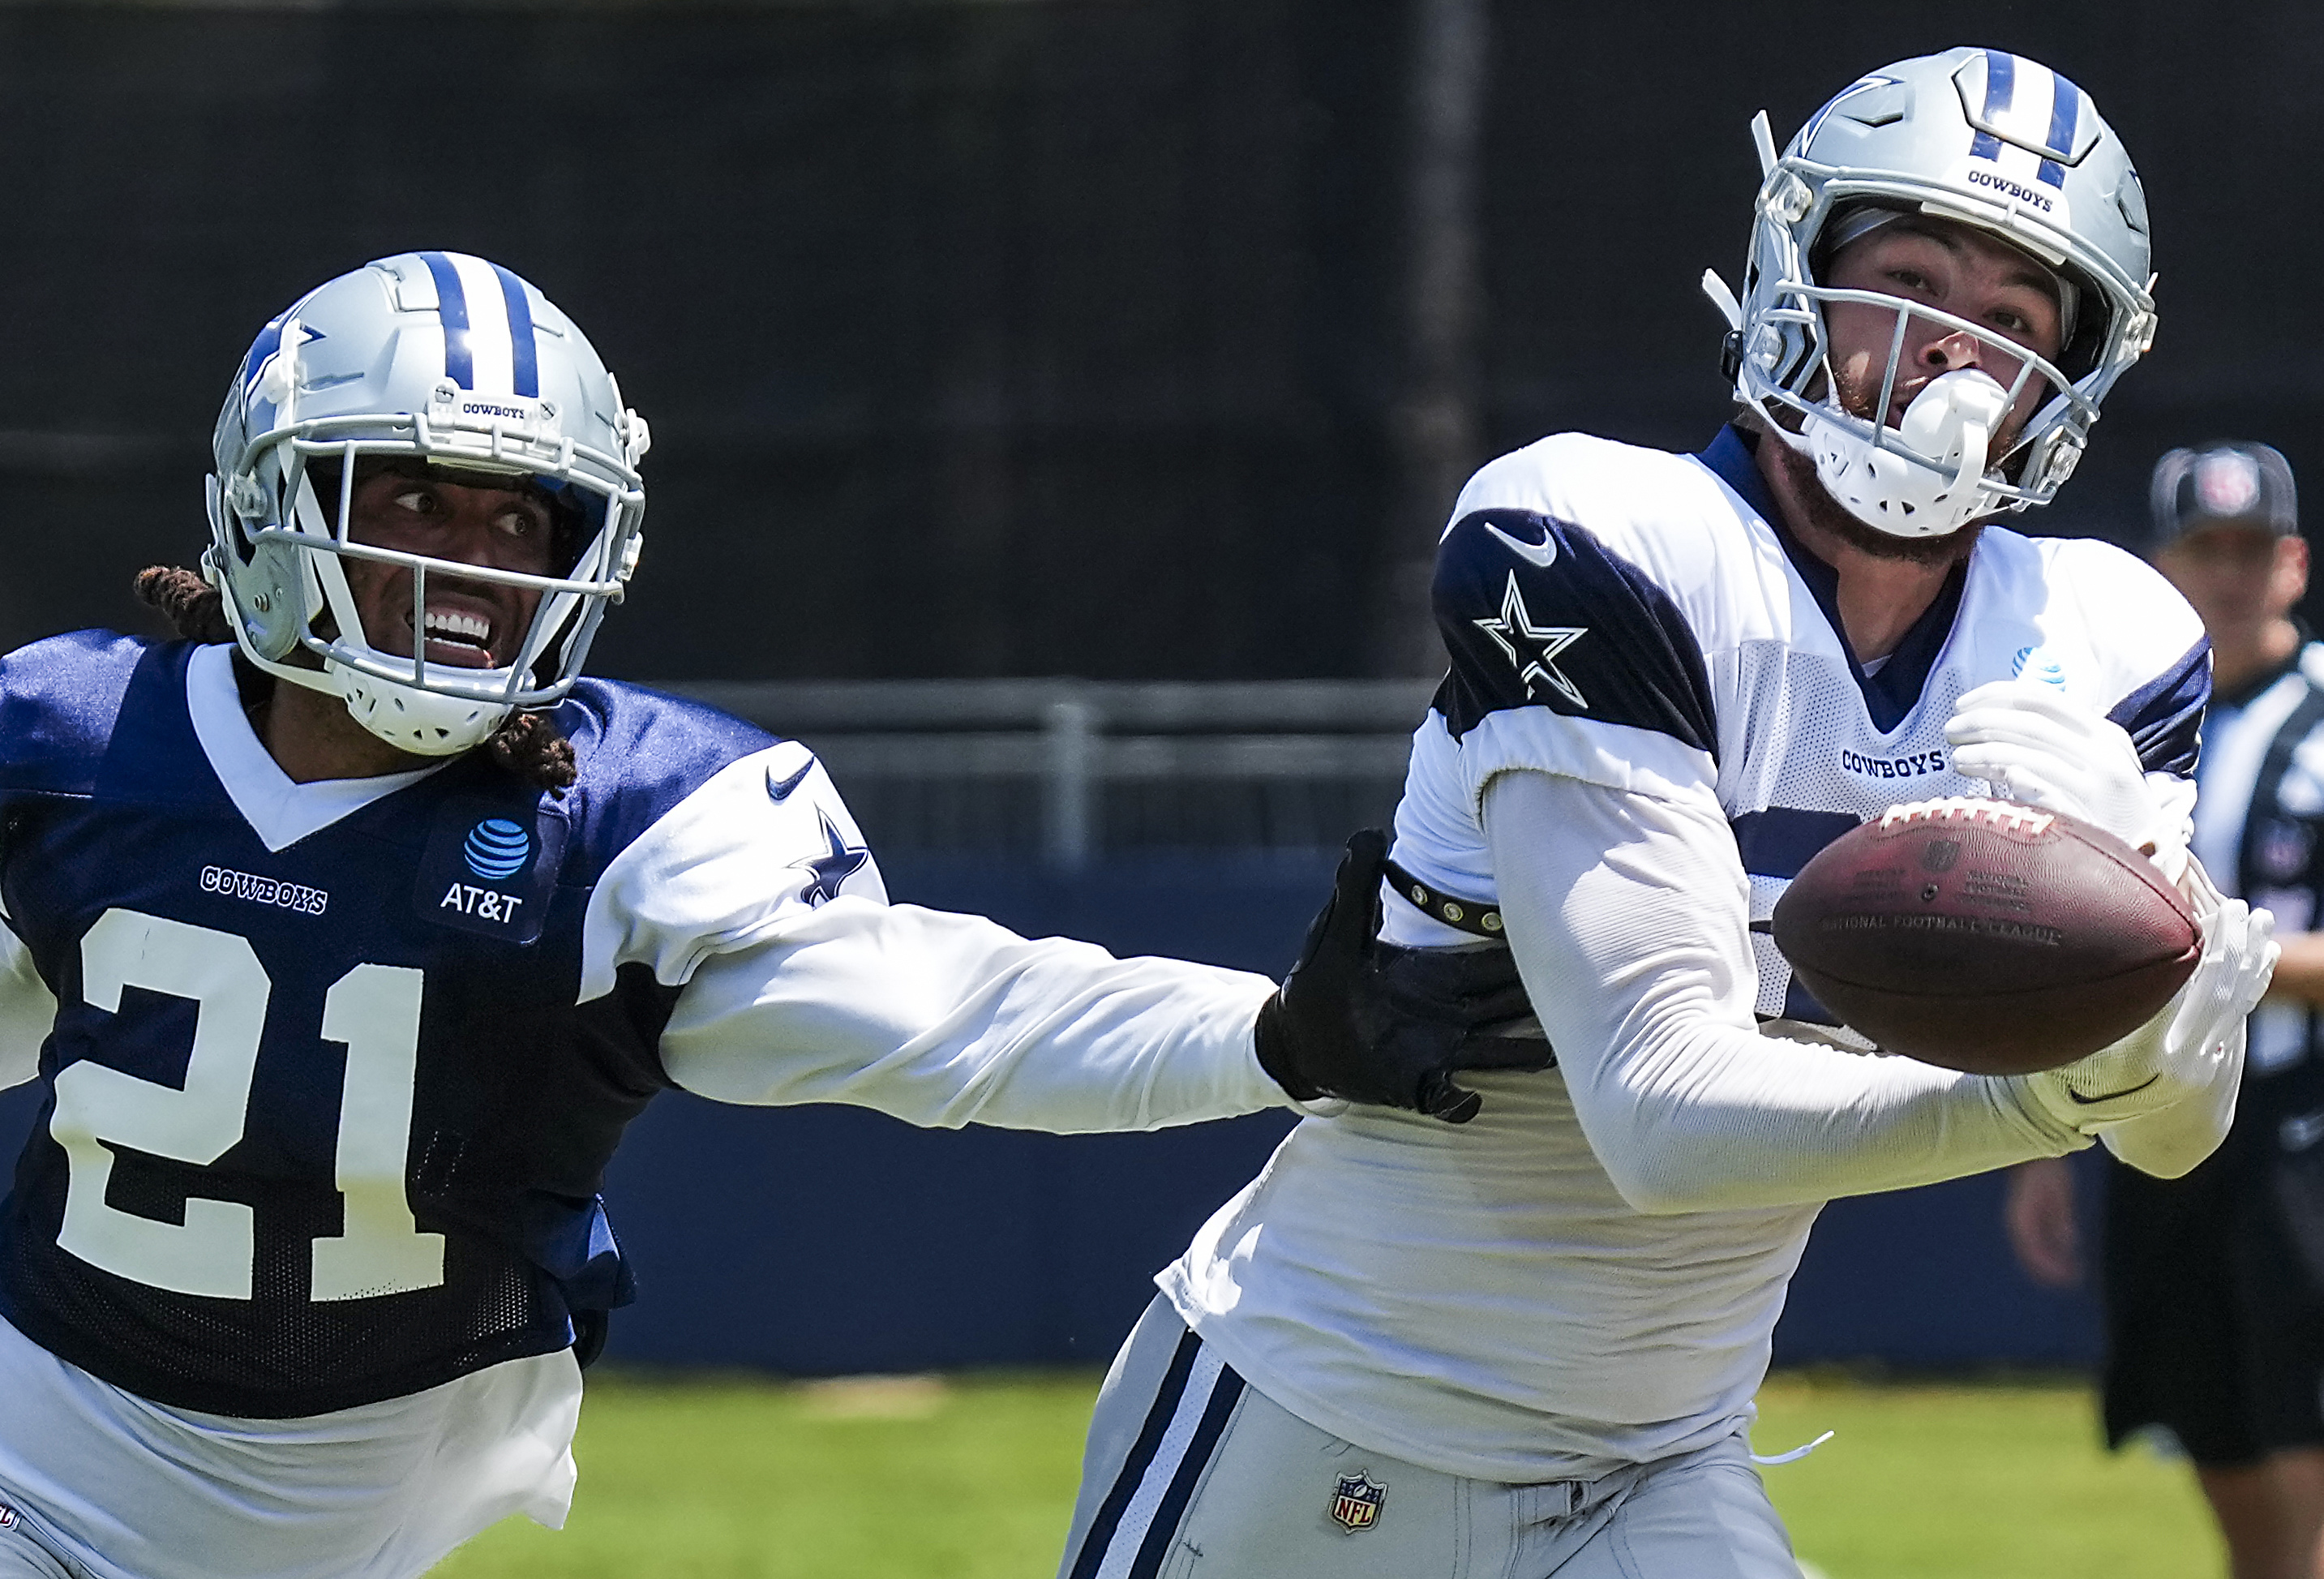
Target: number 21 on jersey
(374,1009)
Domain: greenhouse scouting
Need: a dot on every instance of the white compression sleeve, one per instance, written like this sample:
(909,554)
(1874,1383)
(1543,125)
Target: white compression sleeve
(1631,924)
(947,1020)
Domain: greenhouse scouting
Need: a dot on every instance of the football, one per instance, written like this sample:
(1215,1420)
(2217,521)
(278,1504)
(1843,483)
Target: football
(1986,937)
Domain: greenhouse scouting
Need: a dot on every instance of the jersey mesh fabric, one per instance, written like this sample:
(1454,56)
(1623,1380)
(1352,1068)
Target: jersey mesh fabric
(280,1355)
(1832,761)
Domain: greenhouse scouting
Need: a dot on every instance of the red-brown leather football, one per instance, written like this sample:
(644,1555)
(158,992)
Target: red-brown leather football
(1985,935)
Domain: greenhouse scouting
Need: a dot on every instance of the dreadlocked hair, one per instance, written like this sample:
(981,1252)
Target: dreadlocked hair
(530,749)
(195,609)
(527,746)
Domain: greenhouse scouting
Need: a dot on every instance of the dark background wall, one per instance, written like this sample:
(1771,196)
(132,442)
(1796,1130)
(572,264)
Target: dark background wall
(1004,339)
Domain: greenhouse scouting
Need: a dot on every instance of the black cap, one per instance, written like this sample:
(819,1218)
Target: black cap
(2249,485)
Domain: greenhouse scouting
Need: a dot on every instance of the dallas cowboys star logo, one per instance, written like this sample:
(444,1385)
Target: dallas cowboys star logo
(1552,640)
(834,866)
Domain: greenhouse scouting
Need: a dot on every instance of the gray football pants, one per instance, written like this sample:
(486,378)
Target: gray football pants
(1190,1474)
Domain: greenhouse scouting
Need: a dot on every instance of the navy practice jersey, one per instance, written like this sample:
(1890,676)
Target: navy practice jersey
(326,1121)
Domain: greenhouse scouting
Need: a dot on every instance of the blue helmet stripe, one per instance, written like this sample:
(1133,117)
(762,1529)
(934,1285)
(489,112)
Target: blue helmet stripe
(2000,83)
(523,351)
(2000,87)
(2065,109)
(452,309)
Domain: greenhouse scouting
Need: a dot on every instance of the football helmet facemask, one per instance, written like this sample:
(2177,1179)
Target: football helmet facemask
(1982,138)
(435,360)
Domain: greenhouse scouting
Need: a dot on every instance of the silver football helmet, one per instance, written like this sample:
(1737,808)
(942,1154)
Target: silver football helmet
(458,363)
(1985,138)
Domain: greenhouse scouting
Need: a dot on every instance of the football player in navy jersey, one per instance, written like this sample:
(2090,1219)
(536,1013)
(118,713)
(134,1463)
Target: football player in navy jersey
(347,934)
(1531,1345)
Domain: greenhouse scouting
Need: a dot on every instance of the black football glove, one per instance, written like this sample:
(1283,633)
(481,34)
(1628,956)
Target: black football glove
(1368,1022)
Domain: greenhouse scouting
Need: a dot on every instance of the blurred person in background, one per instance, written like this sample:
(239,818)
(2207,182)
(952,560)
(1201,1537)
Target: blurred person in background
(1531,1345)
(2214,1283)
(347,932)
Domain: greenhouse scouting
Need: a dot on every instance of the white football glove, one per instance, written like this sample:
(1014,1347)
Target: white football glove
(2163,1098)
(2031,744)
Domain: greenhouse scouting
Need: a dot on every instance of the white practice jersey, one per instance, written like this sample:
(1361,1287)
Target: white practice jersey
(1651,724)
(699,911)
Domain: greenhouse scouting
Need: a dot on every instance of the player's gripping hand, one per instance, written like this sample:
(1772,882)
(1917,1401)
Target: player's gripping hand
(2190,1052)
(2033,745)
(1367,1021)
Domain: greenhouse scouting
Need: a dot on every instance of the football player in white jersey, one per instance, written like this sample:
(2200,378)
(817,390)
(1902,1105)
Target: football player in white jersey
(348,933)
(1531,1346)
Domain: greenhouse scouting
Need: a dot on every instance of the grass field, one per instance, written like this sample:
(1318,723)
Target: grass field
(973,1477)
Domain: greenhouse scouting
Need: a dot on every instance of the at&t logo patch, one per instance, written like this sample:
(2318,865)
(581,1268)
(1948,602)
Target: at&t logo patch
(496,849)
(2030,664)
(490,868)
(486,904)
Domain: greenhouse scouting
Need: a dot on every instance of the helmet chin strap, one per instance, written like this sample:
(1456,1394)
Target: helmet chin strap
(1953,421)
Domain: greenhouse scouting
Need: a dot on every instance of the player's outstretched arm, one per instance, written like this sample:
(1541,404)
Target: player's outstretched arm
(1631,928)
(798,983)
(947,1020)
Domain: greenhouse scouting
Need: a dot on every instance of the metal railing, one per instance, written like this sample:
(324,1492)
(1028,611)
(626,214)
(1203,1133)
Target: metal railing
(1068,769)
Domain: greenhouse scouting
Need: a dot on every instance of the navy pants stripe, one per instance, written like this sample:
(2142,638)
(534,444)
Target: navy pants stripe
(1133,1530)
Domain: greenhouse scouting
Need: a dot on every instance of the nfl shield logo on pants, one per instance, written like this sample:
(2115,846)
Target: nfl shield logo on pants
(1356,1500)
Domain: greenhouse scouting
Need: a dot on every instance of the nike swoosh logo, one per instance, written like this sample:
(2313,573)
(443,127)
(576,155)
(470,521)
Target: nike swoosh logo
(781,789)
(1543,553)
(2109,1097)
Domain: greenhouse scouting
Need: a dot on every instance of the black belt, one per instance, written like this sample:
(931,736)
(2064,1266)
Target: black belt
(1471,916)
